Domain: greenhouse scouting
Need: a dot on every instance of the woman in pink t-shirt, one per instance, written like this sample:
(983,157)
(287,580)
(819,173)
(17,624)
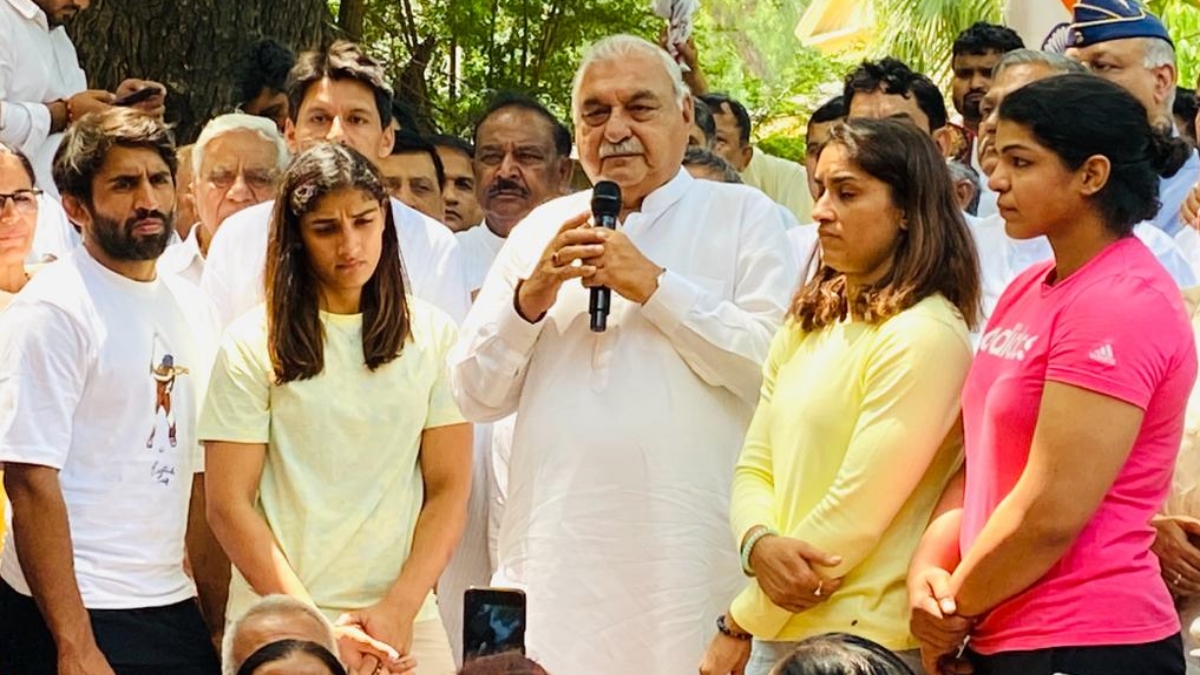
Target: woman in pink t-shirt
(1072,411)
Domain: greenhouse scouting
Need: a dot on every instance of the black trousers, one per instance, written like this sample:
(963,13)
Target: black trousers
(152,641)
(1164,657)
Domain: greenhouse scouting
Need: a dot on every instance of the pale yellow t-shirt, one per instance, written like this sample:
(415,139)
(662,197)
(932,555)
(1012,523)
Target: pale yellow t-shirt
(342,487)
(849,450)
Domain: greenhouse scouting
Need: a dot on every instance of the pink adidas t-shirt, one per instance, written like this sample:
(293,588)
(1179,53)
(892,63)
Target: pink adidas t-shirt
(1117,326)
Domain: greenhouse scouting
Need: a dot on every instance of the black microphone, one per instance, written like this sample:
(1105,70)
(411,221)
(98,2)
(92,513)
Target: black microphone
(606,206)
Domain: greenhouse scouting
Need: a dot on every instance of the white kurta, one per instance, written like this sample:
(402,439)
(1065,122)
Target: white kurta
(617,515)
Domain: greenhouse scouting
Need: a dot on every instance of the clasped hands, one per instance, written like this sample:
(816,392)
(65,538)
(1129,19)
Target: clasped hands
(376,640)
(784,569)
(594,255)
(936,624)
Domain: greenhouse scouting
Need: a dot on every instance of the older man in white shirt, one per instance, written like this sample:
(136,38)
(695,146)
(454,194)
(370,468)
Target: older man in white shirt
(336,95)
(235,164)
(616,523)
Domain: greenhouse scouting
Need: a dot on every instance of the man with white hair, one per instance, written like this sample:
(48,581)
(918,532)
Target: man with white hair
(235,164)
(1123,43)
(616,522)
(275,617)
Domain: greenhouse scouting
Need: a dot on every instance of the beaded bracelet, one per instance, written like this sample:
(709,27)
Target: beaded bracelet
(748,547)
(724,629)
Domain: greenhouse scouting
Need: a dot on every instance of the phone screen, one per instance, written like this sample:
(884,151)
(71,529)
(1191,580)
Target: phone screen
(493,622)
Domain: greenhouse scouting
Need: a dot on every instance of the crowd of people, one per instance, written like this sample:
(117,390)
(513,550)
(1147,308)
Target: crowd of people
(271,402)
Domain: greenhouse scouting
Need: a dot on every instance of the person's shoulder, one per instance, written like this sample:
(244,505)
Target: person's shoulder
(60,282)
(932,319)
(428,322)
(249,329)
(408,217)
(243,233)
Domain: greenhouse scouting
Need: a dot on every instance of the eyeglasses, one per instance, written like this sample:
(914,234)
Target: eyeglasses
(257,180)
(25,201)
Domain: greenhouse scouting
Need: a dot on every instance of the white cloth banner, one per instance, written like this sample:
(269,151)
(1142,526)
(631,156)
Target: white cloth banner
(678,14)
(1042,24)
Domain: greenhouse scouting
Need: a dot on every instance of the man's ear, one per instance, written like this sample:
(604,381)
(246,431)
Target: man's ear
(76,212)
(941,138)
(387,141)
(289,136)
(1164,84)
(566,169)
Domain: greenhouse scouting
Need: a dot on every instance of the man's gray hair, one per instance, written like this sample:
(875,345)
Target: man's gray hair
(618,47)
(1056,62)
(1158,53)
(273,604)
(961,172)
(707,159)
(224,124)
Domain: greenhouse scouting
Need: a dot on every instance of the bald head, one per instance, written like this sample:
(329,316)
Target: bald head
(275,617)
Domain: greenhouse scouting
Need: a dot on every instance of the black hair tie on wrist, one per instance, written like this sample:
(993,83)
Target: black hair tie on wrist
(280,649)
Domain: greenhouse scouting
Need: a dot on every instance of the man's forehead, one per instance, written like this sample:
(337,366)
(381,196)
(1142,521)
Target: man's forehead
(1124,48)
(1015,77)
(417,162)
(239,145)
(122,160)
(986,60)
(621,80)
(345,93)
(515,126)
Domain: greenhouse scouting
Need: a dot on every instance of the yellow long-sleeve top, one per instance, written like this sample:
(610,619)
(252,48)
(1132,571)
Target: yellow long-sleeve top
(853,440)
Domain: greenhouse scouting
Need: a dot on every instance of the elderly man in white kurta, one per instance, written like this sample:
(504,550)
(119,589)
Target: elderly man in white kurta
(618,497)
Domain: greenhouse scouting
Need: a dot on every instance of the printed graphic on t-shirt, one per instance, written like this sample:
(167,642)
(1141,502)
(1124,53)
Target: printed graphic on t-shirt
(1010,344)
(164,370)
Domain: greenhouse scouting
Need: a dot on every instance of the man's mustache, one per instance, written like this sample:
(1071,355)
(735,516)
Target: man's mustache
(506,185)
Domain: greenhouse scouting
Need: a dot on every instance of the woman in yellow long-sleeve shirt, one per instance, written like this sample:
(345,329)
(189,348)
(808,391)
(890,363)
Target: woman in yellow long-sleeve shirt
(854,436)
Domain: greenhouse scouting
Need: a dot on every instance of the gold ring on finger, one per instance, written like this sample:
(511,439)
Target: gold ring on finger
(1178,576)
(820,588)
(554,258)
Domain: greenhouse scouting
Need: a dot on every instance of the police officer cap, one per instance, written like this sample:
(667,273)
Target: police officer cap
(1096,21)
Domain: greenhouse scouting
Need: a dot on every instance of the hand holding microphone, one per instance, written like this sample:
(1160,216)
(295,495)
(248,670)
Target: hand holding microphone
(603,259)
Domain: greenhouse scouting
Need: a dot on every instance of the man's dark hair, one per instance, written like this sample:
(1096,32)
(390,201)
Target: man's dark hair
(893,76)
(343,60)
(407,142)
(454,143)
(704,119)
(89,140)
(708,159)
(830,111)
(983,38)
(512,99)
(1185,107)
(405,118)
(265,65)
(718,102)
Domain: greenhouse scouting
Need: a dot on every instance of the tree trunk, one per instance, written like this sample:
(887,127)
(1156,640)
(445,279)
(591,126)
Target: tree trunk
(190,46)
(351,16)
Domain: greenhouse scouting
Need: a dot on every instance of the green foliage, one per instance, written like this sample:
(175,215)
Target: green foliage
(1183,21)
(485,46)
(749,50)
(921,32)
(786,145)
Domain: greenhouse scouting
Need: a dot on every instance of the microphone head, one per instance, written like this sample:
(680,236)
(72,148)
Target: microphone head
(606,198)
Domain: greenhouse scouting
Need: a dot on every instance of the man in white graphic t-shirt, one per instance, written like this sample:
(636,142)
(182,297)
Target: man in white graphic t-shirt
(102,363)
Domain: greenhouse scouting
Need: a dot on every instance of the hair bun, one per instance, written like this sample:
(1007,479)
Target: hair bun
(1168,153)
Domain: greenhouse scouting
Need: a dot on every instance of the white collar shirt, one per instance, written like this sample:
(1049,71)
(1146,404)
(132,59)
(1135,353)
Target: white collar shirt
(185,258)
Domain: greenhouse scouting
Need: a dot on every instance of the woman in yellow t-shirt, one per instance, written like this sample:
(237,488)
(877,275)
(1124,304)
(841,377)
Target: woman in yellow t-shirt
(853,438)
(338,465)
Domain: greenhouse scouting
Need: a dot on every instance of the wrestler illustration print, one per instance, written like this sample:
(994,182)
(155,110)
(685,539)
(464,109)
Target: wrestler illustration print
(164,383)
(163,372)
